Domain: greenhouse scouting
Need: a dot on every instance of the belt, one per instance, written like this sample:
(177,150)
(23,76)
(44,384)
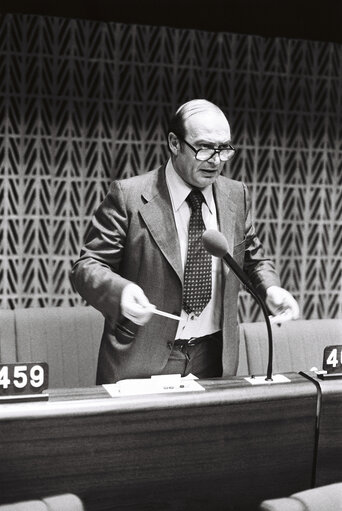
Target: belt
(193,341)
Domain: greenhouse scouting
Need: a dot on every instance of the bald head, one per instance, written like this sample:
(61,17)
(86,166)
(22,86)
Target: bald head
(197,106)
(201,108)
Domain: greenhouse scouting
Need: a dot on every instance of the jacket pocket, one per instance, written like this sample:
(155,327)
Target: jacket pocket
(126,331)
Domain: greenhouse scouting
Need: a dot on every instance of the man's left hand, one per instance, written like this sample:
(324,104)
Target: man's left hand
(281,304)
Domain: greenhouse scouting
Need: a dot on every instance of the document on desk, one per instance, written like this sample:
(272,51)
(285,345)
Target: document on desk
(159,384)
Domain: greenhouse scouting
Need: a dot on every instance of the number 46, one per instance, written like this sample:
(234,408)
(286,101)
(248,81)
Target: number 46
(332,358)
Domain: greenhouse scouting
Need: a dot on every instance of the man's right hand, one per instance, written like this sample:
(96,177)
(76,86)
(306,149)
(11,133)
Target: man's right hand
(135,305)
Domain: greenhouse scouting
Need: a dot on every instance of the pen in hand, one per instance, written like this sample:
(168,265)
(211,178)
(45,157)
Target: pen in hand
(166,314)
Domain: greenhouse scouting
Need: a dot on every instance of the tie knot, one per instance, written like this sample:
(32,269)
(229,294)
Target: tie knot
(195,199)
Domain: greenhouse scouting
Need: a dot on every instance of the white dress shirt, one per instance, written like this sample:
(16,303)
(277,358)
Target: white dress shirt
(209,321)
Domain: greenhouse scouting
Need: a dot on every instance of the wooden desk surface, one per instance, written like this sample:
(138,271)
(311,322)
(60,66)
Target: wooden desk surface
(227,448)
(79,401)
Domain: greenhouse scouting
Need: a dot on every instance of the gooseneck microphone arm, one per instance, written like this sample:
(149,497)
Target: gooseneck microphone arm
(216,244)
(246,282)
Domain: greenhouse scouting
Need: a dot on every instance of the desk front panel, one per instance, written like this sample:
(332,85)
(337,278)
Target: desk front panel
(225,449)
(329,455)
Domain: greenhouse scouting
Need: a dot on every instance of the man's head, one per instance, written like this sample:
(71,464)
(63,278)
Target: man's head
(201,125)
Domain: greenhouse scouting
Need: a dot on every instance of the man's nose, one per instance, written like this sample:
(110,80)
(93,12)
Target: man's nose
(215,159)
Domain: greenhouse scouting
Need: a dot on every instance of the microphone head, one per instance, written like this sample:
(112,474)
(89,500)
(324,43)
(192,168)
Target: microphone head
(215,243)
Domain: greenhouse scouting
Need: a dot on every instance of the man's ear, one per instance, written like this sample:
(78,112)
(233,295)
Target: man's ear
(174,144)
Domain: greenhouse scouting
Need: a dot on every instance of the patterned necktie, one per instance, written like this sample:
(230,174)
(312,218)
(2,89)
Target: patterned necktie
(197,273)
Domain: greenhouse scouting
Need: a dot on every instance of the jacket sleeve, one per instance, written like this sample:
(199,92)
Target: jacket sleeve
(259,268)
(95,275)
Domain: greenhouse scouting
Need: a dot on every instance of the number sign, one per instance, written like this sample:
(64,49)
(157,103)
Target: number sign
(332,359)
(30,378)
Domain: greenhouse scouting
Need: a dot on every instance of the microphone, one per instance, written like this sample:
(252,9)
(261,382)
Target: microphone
(216,244)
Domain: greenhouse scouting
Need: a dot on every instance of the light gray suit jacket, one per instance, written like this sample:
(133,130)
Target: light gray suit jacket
(133,238)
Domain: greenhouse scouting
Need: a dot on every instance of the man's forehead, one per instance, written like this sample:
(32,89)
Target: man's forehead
(208,125)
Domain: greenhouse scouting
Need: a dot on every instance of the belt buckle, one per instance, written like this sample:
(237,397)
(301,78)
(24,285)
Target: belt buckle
(191,341)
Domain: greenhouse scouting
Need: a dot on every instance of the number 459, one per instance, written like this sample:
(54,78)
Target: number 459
(20,377)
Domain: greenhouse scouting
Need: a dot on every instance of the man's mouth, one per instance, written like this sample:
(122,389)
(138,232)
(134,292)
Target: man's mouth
(211,171)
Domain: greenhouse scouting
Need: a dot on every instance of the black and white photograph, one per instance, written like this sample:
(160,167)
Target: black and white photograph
(170,255)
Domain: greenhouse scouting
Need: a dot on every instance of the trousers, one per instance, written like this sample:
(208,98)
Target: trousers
(203,359)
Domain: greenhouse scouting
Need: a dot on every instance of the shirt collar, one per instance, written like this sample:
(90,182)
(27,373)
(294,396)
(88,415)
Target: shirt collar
(179,189)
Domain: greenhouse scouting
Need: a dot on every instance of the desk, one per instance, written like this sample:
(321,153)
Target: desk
(224,449)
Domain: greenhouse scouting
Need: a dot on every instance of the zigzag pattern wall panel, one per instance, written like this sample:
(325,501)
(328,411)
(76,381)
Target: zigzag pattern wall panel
(85,102)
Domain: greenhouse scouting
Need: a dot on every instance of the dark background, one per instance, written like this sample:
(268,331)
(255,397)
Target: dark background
(301,19)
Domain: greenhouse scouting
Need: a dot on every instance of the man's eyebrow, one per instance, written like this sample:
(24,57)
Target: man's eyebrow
(211,144)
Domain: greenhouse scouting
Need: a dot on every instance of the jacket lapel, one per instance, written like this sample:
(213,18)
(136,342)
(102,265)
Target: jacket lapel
(158,216)
(226,213)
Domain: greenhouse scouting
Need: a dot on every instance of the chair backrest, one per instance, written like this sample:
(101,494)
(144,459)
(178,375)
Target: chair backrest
(8,352)
(324,498)
(243,369)
(298,345)
(65,502)
(67,338)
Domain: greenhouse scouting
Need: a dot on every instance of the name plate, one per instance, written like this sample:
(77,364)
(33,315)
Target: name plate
(23,379)
(332,362)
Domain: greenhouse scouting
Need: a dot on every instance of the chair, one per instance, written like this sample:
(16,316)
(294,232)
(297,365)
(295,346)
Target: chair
(298,345)
(65,502)
(324,498)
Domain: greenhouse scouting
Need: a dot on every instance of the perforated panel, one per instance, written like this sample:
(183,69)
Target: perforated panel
(85,102)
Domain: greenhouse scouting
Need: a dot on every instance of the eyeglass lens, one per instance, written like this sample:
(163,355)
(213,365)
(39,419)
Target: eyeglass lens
(206,154)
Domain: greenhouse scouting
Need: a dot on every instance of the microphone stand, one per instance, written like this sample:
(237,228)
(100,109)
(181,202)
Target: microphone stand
(269,332)
(232,264)
(216,244)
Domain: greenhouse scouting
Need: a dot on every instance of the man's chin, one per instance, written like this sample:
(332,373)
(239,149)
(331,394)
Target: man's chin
(208,177)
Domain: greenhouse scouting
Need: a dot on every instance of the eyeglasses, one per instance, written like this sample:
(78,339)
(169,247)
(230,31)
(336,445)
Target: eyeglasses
(205,154)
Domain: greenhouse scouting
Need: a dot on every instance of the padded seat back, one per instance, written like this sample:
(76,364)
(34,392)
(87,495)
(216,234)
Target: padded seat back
(67,338)
(297,345)
(65,502)
(8,345)
(243,369)
(324,498)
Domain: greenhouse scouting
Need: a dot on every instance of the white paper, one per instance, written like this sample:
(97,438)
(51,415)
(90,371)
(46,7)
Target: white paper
(159,384)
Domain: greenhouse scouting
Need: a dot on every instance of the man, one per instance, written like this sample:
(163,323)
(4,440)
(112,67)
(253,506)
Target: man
(144,250)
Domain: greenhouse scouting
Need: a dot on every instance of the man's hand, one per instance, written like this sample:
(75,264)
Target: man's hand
(134,304)
(281,304)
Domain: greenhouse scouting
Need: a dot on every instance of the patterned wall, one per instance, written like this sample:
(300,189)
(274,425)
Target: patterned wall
(83,102)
